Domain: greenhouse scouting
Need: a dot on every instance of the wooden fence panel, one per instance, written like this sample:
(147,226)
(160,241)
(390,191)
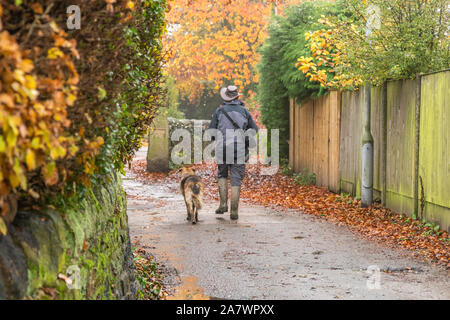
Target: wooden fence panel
(334,141)
(298,139)
(400,145)
(434,155)
(305,142)
(350,141)
(328,134)
(315,137)
(291,132)
(320,138)
(351,125)
(376,124)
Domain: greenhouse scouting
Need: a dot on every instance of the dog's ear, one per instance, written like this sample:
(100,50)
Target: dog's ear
(178,170)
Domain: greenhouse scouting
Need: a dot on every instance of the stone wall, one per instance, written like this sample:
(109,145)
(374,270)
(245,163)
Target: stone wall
(81,252)
(161,145)
(188,124)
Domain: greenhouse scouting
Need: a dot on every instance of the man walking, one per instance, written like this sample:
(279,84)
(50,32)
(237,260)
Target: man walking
(235,124)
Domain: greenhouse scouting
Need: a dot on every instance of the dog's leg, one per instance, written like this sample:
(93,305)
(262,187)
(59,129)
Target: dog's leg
(194,214)
(191,212)
(188,211)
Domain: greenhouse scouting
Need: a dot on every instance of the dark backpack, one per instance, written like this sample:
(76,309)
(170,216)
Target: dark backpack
(236,126)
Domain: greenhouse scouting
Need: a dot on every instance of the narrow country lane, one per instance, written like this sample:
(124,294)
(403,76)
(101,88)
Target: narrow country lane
(268,254)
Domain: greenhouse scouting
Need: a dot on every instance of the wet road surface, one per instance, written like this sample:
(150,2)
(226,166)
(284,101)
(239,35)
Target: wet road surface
(268,254)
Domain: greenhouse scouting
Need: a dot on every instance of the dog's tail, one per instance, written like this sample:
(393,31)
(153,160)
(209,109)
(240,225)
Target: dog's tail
(197,195)
(196,188)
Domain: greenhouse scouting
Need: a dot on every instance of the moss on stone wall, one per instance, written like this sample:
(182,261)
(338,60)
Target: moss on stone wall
(72,253)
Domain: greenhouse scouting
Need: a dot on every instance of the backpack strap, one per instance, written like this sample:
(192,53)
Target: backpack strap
(235,125)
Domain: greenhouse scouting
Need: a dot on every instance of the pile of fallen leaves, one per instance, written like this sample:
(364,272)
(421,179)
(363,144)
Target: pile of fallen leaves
(148,276)
(376,223)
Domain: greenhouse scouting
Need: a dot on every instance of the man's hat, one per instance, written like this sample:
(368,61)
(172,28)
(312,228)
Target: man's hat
(229,93)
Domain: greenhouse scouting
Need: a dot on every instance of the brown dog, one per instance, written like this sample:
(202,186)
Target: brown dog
(191,188)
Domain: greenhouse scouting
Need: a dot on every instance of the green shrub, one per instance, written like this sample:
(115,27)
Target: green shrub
(279,78)
(413,38)
(305,178)
(286,168)
(170,104)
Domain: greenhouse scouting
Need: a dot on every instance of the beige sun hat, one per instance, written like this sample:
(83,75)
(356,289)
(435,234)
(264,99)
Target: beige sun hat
(229,93)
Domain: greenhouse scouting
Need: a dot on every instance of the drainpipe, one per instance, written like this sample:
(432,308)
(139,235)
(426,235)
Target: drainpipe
(367,154)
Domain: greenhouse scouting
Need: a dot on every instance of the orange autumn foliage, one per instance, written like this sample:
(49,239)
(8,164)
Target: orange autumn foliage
(53,119)
(214,42)
(33,113)
(326,58)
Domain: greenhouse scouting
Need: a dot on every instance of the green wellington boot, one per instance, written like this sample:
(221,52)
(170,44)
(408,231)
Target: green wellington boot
(223,193)
(235,193)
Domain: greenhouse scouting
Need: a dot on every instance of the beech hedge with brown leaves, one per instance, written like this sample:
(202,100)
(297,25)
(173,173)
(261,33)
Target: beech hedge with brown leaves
(74,103)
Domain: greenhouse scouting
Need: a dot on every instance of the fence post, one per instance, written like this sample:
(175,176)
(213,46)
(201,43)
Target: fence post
(292,124)
(416,146)
(384,142)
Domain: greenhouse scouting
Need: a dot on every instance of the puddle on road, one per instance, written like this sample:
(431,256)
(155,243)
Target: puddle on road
(189,290)
(159,194)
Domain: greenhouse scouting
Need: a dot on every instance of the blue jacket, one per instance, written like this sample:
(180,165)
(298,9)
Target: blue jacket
(237,111)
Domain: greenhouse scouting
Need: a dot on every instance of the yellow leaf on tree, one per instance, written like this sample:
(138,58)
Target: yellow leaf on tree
(130,5)
(3,228)
(11,138)
(13,180)
(31,159)
(26,65)
(2,144)
(36,143)
(54,153)
(54,53)
(70,99)
(54,26)
(61,151)
(74,149)
(19,175)
(100,141)
(30,82)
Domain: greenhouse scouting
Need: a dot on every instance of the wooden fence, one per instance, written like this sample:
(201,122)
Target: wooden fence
(410,123)
(314,139)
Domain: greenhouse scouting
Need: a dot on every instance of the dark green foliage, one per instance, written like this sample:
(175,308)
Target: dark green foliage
(169,107)
(286,168)
(279,78)
(305,178)
(413,38)
(204,109)
(140,93)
